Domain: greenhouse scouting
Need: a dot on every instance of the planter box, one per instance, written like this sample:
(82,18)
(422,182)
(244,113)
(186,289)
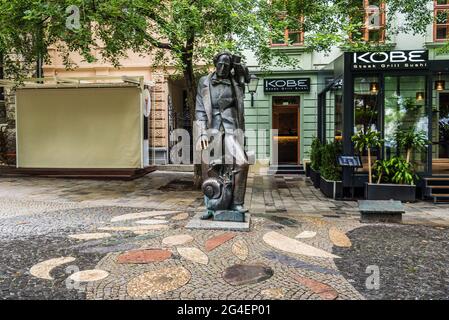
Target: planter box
(315,177)
(307,168)
(331,189)
(400,192)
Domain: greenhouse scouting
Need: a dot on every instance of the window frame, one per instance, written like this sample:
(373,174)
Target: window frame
(287,33)
(366,31)
(436,8)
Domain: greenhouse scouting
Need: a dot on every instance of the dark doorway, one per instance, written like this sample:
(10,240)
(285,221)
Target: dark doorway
(440,152)
(286,122)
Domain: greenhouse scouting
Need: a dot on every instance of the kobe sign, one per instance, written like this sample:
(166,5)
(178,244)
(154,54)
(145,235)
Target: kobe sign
(287,85)
(415,59)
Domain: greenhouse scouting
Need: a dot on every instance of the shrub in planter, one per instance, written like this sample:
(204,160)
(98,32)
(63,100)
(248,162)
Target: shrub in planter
(315,154)
(330,172)
(315,161)
(367,140)
(411,140)
(395,180)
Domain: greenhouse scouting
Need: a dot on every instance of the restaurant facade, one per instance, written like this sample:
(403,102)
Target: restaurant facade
(388,91)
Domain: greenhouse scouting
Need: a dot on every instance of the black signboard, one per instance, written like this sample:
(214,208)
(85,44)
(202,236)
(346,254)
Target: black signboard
(350,161)
(390,60)
(287,85)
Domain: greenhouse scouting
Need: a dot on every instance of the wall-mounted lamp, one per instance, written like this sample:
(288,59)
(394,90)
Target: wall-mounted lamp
(419,96)
(374,87)
(440,85)
(252,87)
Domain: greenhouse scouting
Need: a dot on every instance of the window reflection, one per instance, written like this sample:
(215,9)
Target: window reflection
(404,111)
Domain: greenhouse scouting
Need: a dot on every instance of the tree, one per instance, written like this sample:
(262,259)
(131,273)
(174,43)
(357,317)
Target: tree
(185,32)
(367,141)
(411,140)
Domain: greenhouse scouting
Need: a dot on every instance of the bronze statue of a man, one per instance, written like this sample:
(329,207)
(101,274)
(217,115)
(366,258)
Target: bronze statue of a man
(220,109)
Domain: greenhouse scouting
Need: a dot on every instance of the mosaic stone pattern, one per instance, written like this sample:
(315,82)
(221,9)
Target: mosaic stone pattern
(296,263)
(193,254)
(177,240)
(339,238)
(156,282)
(217,241)
(89,275)
(141,215)
(273,293)
(240,249)
(281,242)
(144,256)
(306,235)
(42,270)
(240,274)
(323,290)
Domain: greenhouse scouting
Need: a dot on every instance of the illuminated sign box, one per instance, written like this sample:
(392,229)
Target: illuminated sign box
(287,85)
(390,60)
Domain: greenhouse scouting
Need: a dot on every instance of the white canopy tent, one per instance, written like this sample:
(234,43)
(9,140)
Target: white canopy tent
(83,126)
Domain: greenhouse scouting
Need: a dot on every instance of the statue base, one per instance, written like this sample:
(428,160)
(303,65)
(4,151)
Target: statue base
(210,224)
(229,215)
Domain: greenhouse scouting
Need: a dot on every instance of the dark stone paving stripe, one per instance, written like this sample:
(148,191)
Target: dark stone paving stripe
(412,262)
(292,262)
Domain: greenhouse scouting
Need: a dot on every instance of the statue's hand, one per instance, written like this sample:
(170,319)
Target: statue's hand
(203,142)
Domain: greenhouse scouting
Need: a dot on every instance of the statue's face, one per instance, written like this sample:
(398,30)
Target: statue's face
(223,66)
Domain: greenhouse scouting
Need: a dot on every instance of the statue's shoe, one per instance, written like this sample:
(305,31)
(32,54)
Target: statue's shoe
(207,215)
(239,208)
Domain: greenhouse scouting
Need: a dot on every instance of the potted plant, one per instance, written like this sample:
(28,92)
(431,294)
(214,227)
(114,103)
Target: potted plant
(315,162)
(411,140)
(367,141)
(395,180)
(330,173)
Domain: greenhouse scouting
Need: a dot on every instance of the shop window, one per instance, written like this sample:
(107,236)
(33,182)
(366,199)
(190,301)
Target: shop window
(441,20)
(366,110)
(405,110)
(372,16)
(334,114)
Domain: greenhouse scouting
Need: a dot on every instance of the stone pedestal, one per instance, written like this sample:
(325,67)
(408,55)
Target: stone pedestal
(381,211)
(197,223)
(229,215)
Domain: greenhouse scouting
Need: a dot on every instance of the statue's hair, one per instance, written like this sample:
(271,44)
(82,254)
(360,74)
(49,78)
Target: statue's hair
(223,53)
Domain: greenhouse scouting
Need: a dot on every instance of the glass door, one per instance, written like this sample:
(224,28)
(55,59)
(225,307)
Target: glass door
(286,129)
(440,139)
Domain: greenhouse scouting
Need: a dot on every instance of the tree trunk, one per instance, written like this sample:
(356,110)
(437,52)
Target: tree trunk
(370,178)
(190,81)
(409,154)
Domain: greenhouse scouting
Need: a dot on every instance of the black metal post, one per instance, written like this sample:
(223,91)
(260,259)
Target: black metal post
(348,117)
(429,99)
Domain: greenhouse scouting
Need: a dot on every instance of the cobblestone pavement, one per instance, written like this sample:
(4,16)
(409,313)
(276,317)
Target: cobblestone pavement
(89,239)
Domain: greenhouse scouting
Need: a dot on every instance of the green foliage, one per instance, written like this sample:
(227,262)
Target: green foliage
(404,172)
(329,168)
(395,170)
(182,33)
(367,140)
(411,139)
(382,171)
(315,154)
